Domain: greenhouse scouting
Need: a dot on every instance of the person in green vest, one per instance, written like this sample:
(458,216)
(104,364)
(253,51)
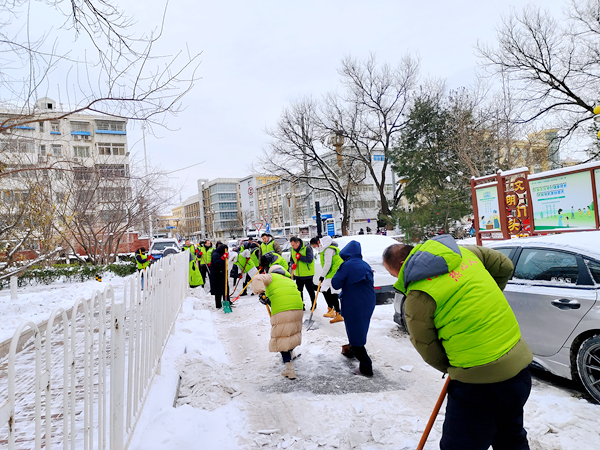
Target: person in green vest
(142,261)
(277,290)
(204,254)
(196,278)
(461,324)
(268,245)
(329,255)
(302,261)
(248,262)
(187,245)
(270,259)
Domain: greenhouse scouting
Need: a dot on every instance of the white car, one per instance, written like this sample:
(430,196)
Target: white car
(159,246)
(372,247)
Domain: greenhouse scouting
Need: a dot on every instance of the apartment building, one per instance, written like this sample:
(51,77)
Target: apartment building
(192,228)
(225,208)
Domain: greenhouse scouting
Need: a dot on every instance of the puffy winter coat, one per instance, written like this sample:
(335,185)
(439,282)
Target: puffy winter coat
(286,309)
(355,278)
(218,276)
(457,316)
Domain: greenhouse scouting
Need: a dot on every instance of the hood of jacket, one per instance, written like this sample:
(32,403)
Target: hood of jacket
(221,249)
(437,256)
(352,256)
(326,241)
(351,250)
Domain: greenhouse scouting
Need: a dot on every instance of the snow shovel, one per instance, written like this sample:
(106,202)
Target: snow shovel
(309,323)
(434,414)
(245,287)
(226,302)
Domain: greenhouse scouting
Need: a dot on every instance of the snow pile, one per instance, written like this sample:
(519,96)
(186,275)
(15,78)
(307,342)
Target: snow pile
(555,420)
(205,384)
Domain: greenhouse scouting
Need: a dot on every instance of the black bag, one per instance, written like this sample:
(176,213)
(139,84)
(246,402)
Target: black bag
(234,273)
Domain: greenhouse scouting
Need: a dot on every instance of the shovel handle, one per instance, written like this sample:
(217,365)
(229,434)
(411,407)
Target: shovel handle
(245,287)
(315,302)
(434,414)
(269,310)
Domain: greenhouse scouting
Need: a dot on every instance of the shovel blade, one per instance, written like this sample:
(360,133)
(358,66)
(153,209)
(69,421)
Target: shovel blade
(226,307)
(310,323)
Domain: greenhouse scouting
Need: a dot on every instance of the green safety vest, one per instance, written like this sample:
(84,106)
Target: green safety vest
(195,275)
(474,321)
(280,261)
(336,261)
(144,264)
(303,269)
(206,255)
(266,248)
(251,262)
(284,294)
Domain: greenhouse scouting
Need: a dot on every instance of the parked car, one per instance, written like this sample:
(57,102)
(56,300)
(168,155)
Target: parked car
(554,293)
(372,246)
(158,246)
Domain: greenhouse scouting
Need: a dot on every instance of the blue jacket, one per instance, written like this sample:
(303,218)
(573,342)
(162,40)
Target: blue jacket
(355,279)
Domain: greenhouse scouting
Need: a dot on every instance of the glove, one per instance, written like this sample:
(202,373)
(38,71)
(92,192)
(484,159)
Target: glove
(246,254)
(294,267)
(321,279)
(264,299)
(297,256)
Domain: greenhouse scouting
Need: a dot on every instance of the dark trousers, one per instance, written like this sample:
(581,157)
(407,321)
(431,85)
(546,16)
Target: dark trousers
(306,282)
(480,415)
(246,280)
(332,300)
(219,300)
(366,365)
(203,272)
(287,356)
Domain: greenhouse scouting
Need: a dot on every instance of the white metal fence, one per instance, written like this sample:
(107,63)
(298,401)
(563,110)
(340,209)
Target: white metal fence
(83,381)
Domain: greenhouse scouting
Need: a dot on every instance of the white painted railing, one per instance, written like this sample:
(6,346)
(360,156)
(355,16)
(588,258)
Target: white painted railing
(82,382)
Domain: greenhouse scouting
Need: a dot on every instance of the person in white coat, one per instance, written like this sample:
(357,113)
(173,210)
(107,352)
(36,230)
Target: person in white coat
(329,254)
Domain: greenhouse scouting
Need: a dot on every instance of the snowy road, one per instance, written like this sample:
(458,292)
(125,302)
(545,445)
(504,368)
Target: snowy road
(234,397)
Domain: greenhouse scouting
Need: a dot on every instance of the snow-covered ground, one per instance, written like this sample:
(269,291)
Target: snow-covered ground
(240,400)
(233,396)
(35,303)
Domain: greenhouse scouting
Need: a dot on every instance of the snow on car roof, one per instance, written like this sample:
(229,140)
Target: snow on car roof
(587,242)
(372,245)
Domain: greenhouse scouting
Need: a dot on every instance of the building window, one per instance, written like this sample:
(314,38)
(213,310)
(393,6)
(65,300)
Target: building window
(41,127)
(55,126)
(82,173)
(109,125)
(56,149)
(81,152)
(111,149)
(111,170)
(80,126)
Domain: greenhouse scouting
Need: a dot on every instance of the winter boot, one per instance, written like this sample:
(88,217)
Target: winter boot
(347,351)
(338,318)
(289,371)
(330,313)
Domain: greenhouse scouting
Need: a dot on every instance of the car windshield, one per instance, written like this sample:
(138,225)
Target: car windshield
(162,245)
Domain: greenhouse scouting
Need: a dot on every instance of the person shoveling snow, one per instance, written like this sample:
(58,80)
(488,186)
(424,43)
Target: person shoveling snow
(281,293)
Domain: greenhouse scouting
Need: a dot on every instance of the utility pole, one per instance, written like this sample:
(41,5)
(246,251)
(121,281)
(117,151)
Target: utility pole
(146,162)
(319,221)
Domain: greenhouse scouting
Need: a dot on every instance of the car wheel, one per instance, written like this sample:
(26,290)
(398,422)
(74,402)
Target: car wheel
(588,365)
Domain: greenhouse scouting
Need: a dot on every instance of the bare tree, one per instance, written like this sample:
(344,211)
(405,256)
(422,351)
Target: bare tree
(115,73)
(298,153)
(95,206)
(553,66)
(370,114)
